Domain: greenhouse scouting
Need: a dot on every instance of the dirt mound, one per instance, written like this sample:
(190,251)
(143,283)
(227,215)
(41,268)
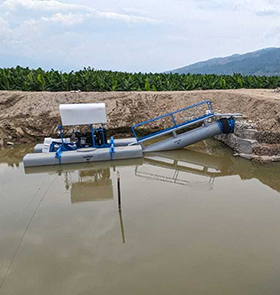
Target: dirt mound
(31,116)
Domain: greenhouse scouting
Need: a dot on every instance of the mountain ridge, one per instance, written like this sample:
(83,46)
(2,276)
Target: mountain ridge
(263,62)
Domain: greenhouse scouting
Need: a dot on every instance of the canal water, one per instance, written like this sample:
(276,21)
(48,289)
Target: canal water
(195,221)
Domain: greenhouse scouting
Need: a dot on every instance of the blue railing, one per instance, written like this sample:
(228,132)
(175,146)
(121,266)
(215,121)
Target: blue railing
(208,114)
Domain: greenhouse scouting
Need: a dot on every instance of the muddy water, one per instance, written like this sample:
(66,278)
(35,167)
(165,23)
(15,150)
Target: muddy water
(193,221)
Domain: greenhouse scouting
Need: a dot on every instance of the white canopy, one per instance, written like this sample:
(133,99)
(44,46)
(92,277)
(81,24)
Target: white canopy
(82,114)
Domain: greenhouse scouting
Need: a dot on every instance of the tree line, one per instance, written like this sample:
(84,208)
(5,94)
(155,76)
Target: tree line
(89,79)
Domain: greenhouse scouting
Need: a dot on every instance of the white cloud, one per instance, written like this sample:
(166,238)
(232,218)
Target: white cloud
(48,5)
(273,32)
(121,35)
(4,27)
(70,19)
(134,10)
(77,13)
(259,7)
(124,17)
(212,4)
(67,19)
(267,11)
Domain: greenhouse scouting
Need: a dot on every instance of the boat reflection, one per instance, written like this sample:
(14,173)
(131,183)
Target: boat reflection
(86,182)
(93,181)
(186,163)
(182,163)
(177,167)
(92,185)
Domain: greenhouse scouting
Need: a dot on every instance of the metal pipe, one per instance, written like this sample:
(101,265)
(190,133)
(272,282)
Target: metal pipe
(186,138)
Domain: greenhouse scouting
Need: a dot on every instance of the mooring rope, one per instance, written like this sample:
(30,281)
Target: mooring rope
(35,195)
(26,229)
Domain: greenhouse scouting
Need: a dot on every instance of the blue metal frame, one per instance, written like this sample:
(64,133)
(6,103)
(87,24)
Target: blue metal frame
(92,135)
(65,146)
(171,114)
(93,130)
(70,146)
(112,147)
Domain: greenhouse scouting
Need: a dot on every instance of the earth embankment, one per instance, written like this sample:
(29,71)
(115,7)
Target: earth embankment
(31,116)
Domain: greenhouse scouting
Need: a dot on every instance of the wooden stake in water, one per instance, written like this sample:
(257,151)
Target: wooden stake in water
(119,189)
(120,205)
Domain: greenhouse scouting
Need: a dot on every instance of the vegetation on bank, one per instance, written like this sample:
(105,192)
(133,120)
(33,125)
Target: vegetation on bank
(88,79)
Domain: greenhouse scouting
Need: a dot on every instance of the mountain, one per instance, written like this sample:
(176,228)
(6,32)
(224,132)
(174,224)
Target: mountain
(261,62)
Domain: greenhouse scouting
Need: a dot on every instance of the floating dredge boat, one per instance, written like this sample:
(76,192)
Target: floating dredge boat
(182,128)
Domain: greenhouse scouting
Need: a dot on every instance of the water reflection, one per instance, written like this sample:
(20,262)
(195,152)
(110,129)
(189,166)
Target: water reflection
(12,156)
(122,225)
(210,160)
(92,185)
(93,182)
(169,231)
(86,182)
(181,164)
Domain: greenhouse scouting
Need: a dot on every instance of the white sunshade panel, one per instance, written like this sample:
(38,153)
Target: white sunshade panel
(82,114)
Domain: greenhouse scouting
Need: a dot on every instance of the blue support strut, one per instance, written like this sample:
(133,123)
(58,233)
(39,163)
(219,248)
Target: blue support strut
(112,147)
(208,114)
(92,135)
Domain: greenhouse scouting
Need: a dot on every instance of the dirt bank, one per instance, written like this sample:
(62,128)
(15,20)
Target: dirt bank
(30,116)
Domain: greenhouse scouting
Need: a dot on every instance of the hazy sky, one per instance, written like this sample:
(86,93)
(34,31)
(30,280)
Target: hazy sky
(130,35)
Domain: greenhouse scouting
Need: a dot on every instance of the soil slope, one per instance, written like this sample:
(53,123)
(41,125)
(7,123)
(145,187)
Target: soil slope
(30,116)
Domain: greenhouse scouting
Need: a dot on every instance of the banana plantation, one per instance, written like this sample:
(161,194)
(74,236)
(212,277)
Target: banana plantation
(88,79)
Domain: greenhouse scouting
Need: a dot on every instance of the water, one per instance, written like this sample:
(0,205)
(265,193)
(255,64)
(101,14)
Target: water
(193,221)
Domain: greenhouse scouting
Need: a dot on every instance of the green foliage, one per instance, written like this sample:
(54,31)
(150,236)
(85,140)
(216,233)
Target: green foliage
(147,84)
(88,79)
